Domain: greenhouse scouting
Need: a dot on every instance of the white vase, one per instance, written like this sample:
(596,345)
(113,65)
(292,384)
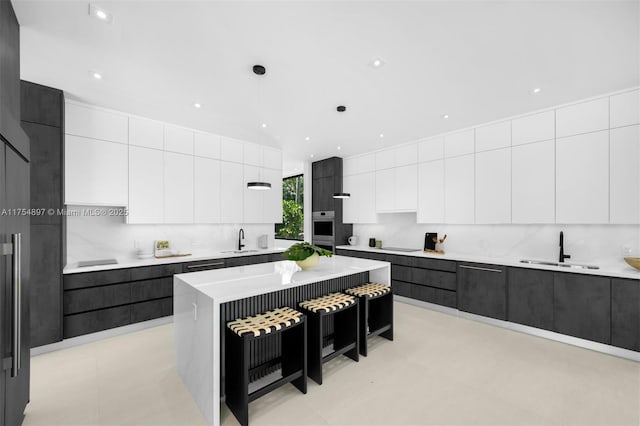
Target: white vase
(310,262)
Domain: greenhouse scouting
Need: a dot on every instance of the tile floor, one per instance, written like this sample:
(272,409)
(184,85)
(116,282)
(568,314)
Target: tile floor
(440,369)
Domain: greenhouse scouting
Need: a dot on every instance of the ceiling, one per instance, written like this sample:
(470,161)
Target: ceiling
(476,61)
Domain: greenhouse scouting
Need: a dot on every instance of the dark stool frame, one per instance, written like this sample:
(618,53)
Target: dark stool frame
(293,360)
(346,338)
(376,318)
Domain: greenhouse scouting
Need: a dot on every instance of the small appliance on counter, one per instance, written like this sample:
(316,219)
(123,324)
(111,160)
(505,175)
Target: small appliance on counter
(162,250)
(431,241)
(353,240)
(263,241)
(372,242)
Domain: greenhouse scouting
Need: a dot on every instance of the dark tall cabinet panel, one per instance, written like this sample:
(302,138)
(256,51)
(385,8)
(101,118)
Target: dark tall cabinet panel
(482,290)
(625,313)
(42,111)
(530,297)
(582,306)
(326,180)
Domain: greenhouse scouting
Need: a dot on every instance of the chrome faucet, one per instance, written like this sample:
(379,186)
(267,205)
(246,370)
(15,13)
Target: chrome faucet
(240,238)
(562,256)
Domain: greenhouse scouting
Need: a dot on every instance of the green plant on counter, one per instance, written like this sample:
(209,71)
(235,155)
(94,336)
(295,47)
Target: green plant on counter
(300,251)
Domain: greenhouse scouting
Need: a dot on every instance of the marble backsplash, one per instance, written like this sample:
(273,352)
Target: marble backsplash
(100,237)
(594,244)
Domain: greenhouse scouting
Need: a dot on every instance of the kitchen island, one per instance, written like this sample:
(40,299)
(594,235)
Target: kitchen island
(205,301)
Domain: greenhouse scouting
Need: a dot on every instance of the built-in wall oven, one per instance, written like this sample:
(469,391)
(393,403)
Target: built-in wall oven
(324,229)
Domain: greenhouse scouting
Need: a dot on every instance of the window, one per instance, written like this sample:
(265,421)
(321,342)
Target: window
(292,227)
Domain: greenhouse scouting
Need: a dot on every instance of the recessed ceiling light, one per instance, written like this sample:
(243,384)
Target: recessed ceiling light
(197,105)
(339,148)
(307,138)
(96,75)
(536,90)
(377,62)
(100,14)
(445,116)
(381,135)
(311,155)
(263,125)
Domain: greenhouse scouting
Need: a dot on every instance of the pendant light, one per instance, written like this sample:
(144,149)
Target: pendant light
(341,195)
(259,185)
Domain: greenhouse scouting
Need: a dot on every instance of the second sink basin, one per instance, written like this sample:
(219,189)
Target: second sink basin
(562,265)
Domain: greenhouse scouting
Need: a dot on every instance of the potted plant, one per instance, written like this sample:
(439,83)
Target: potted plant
(306,255)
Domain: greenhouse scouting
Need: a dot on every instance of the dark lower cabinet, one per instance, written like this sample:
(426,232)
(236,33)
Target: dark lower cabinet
(90,299)
(582,306)
(625,313)
(151,289)
(152,309)
(482,290)
(530,297)
(400,288)
(93,321)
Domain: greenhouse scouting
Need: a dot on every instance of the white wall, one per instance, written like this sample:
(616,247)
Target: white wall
(92,237)
(594,244)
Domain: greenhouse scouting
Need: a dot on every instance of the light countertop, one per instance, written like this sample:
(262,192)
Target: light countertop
(134,262)
(618,269)
(224,285)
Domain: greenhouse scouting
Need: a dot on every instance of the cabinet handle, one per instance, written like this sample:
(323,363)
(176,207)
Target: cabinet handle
(204,265)
(477,268)
(16,239)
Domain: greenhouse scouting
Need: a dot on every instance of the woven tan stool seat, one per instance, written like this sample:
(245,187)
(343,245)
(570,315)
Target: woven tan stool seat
(265,323)
(369,290)
(330,303)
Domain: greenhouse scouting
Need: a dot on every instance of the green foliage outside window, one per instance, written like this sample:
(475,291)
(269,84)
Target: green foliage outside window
(292,227)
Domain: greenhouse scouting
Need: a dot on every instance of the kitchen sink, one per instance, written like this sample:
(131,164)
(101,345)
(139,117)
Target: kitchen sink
(561,265)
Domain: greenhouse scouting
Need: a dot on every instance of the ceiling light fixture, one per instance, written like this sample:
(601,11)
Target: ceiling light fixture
(339,148)
(536,90)
(341,195)
(100,14)
(96,75)
(445,116)
(381,135)
(341,108)
(377,62)
(197,105)
(307,138)
(259,185)
(311,155)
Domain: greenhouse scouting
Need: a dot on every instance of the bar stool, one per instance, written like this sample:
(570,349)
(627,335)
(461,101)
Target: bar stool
(376,312)
(343,308)
(241,333)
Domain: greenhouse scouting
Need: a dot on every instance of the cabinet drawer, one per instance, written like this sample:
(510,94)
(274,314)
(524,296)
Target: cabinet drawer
(90,322)
(204,265)
(151,289)
(436,264)
(401,288)
(434,295)
(92,279)
(440,279)
(152,309)
(89,299)
(148,272)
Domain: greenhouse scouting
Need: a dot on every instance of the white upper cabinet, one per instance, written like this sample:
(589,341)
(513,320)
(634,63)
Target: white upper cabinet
(431,149)
(206,192)
(431,192)
(231,192)
(271,158)
(206,145)
(252,154)
(581,118)
(494,136)
(533,183)
(95,172)
(178,139)
(582,178)
(385,188)
(361,206)
(460,143)
(459,193)
(493,186)
(406,154)
(253,199)
(178,188)
(625,109)
(406,188)
(146,185)
(533,128)
(624,180)
(231,150)
(385,159)
(146,133)
(360,164)
(95,123)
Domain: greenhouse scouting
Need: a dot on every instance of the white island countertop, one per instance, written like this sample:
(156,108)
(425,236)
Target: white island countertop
(224,285)
(618,269)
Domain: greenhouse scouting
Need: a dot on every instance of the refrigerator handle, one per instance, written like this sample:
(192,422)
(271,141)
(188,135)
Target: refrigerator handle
(16,239)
